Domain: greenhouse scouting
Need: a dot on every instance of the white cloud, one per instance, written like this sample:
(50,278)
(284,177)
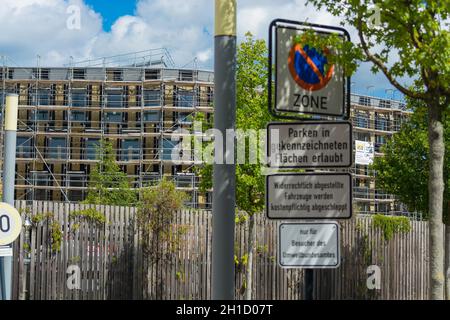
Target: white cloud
(185,27)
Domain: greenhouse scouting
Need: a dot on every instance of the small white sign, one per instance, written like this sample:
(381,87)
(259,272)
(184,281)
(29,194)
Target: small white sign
(305,80)
(309,196)
(318,144)
(10,224)
(364,152)
(6,251)
(309,245)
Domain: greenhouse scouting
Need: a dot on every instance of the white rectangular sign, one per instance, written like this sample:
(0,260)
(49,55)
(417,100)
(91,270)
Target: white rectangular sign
(6,251)
(364,152)
(309,196)
(309,245)
(305,80)
(320,144)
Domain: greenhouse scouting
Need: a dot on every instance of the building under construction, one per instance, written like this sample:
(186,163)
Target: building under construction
(139,102)
(65,112)
(375,120)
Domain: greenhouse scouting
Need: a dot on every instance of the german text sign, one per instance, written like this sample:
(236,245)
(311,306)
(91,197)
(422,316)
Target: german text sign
(309,245)
(10,224)
(309,144)
(306,81)
(309,196)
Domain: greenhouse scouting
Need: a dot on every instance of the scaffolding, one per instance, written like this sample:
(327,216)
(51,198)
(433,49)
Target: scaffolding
(139,107)
(376,120)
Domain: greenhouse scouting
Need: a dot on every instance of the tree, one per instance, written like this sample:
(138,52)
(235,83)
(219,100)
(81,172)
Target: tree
(251,113)
(107,183)
(418,32)
(403,168)
(160,238)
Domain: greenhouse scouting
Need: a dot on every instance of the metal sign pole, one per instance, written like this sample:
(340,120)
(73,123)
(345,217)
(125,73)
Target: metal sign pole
(309,284)
(224,175)
(9,172)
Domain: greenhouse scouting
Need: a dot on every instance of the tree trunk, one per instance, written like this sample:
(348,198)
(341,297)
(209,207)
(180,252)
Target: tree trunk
(436,195)
(447,251)
(250,247)
(447,261)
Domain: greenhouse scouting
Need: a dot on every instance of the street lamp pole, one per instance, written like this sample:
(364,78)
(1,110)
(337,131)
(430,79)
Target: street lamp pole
(224,175)
(9,173)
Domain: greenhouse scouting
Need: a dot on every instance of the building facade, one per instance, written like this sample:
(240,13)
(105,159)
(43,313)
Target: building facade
(375,120)
(65,112)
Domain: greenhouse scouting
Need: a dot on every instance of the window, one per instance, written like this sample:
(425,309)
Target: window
(114,98)
(115,75)
(362,120)
(152,116)
(24,147)
(130,150)
(362,136)
(182,117)
(184,180)
(382,208)
(91,146)
(79,97)
(185,98)
(152,98)
(364,101)
(43,97)
(381,123)
(384,103)
(379,142)
(113,117)
(186,75)
(76,180)
(152,74)
(78,116)
(57,148)
(168,147)
(43,115)
(41,179)
(79,74)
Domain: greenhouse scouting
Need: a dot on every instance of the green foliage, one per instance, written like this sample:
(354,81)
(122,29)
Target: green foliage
(417,30)
(91,215)
(107,183)
(391,225)
(56,234)
(251,113)
(54,228)
(37,218)
(155,218)
(403,170)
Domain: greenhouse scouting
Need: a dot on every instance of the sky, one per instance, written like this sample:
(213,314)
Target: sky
(84,29)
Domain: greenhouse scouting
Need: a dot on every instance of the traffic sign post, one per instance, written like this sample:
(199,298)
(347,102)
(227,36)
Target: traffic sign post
(307,82)
(309,245)
(312,144)
(10,221)
(309,196)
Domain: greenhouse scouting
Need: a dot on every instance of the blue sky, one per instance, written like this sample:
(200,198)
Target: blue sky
(111,10)
(110,27)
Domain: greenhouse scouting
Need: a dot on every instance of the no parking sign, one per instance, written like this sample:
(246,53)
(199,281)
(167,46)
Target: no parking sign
(10,224)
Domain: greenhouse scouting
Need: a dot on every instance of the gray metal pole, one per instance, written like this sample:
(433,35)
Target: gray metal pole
(224,175)
(9,173)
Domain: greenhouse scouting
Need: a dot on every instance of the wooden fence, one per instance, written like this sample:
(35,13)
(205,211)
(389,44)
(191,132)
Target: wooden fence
(112,264)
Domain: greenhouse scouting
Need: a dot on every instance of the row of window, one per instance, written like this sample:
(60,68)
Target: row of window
(109,75)
(48,117)
(114,98)
(129,149)
(379,123)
